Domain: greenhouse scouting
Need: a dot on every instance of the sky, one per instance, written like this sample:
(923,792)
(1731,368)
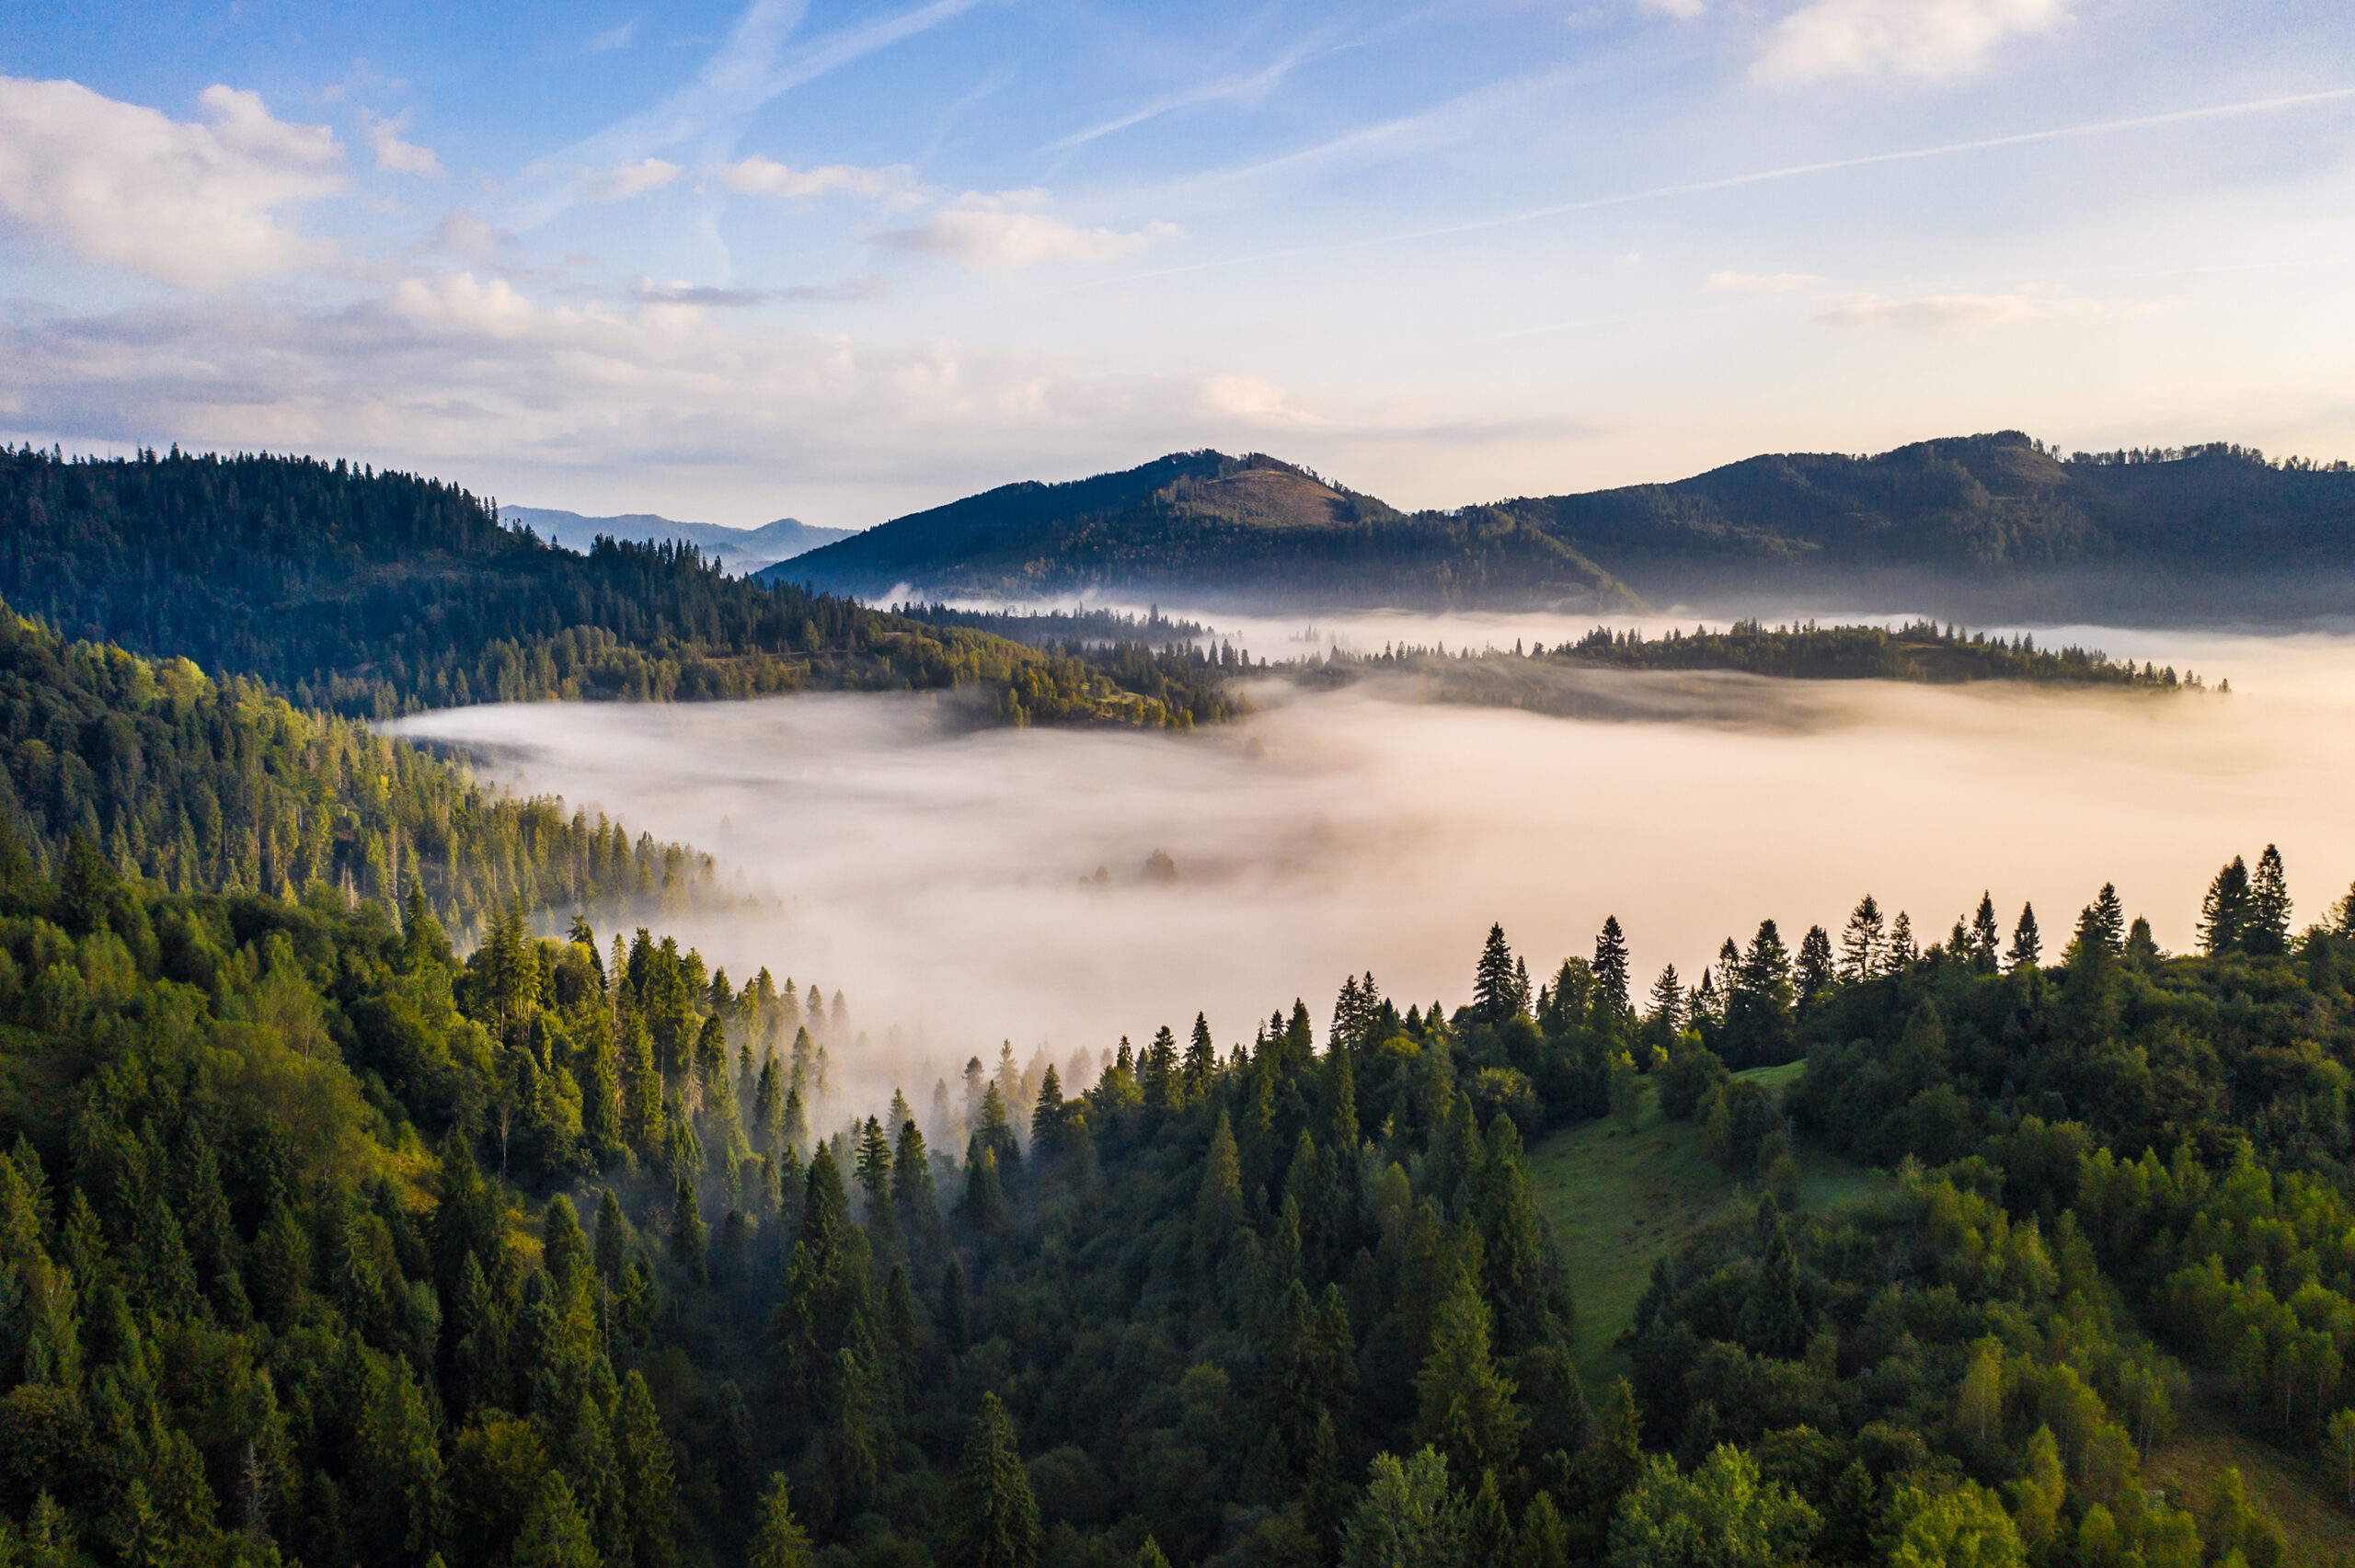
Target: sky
(733,262)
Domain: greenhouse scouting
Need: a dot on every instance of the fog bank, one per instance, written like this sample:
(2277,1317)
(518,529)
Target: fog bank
(934,872)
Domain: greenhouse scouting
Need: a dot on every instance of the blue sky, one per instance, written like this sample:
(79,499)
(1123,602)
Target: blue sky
(840,261)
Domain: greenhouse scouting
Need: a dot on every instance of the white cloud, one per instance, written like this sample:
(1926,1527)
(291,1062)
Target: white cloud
(1683,10)
(1954,313)
(628,180)
(462,233)
(612,39)
(457,304)
(757,176)
(1253,400)
(184,203)
(396,155)
(1757,282)
(1901,37)
(1000,232)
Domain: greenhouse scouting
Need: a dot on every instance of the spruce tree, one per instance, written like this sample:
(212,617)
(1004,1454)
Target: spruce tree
(2267,932)
(2109,920)
(1814,973)
(1985,935)
(2027,947)
(994,1518)
(1861,942)
(778,1539)
(554,1534)
(650,1489)
(1610,969)
(1773,1323)
(2224,913)
(1465,1406)
(1493,986)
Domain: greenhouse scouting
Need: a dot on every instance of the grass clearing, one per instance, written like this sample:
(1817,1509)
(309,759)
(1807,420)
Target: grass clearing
(1616,1200)
(2299,1490)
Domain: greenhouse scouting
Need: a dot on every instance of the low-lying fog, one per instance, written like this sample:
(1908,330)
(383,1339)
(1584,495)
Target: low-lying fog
(945,878)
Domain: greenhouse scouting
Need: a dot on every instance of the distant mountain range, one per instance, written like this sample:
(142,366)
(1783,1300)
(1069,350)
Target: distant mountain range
(1977,526)
(739,550)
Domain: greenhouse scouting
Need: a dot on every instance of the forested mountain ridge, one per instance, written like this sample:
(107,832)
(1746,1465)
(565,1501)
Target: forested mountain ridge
(1248,530)
(377,594)
(204,786)
(1984,520)
(1974,526)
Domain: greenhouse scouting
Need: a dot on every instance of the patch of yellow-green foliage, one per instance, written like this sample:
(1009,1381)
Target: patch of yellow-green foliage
(1617,1200)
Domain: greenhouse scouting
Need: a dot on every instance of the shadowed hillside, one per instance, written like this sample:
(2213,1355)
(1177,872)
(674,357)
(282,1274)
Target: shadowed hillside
(1980,527)
(1248,530)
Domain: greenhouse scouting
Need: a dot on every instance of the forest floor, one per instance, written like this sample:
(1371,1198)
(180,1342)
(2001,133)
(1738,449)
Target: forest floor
(1617,1200)
(2297,1489)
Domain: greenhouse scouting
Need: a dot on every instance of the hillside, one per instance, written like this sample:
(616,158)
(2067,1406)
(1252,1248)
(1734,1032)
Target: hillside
(739,551)
(1980,527)
(373,594)
(1248,530)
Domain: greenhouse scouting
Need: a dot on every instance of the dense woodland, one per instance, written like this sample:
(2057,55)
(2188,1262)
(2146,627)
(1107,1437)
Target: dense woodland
(1919,650)
(373,594)
(327,1238)
(321,1243)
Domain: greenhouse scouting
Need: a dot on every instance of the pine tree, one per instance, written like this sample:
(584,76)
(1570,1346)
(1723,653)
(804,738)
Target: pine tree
(1610,970)
(1201,1060)
(1861,942)
(2027,947)
(1464,1405)
(1773,1323)
(650,1492)
(690,1240)
(554,1534)
(778,1539)
(994,1518)
(1985,935)
(1493,986)
(2224,913)
(1667,1011)
(1815,973)
(2267,932)
(1218,1206)
(2109,920)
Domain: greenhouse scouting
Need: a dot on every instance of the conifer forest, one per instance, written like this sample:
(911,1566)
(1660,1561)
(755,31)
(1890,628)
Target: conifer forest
(386,1183)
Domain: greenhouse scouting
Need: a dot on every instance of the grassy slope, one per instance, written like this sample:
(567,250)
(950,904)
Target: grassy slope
(1617,1200)
(2299,1490)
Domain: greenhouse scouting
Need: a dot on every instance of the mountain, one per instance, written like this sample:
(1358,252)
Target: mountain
(1239,528)
(377,593)
(739,551)
(1978,526)
(1984,525)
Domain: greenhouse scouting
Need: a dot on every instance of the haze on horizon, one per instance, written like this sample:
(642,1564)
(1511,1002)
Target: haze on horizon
(932,870)
(731,261)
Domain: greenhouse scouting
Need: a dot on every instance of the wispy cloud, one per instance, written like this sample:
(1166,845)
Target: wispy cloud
(757,176)
(1725,182)
(1006,230)
(1958,313)
(1898,38)
(620,183)
(1250,84)
(752,67)
(395,156)
(184,203)
(1756,282)
(612,39)
(869,288)
(1683,10)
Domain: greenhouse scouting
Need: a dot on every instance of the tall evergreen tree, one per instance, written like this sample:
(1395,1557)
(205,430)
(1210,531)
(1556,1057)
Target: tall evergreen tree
(778,1539)
(1861,941)
(1610,969)
(1985,935)
(2268,932)
(994,1518)
(2224,913)
(1814,973)
(2026,945)
(1495,989)
(1464,1405)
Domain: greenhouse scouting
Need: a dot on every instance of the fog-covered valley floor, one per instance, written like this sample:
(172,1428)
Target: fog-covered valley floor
(946,877)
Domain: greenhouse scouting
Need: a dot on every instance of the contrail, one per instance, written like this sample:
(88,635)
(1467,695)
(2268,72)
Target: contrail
(1760,176)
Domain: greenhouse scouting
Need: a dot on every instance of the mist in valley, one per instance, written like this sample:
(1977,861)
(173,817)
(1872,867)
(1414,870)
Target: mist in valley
(969,886)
